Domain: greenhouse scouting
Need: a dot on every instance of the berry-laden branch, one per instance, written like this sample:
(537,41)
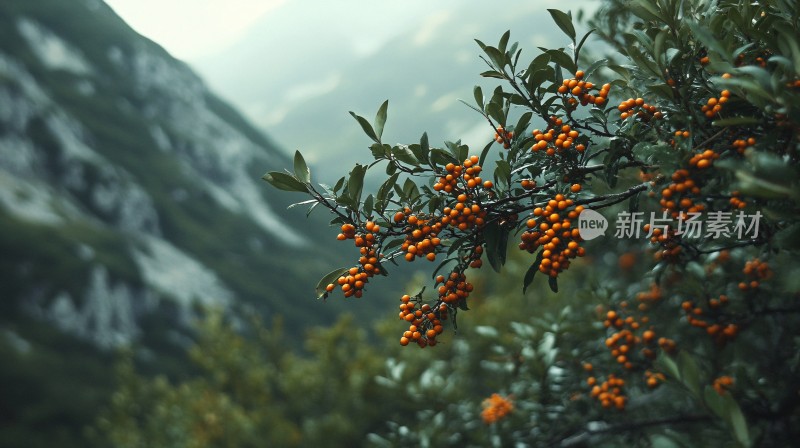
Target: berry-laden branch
(459,209)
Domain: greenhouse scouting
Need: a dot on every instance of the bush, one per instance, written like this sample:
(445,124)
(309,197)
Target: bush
(694,126)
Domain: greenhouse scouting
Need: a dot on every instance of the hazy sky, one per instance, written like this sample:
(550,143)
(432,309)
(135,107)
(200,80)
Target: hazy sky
(191,29)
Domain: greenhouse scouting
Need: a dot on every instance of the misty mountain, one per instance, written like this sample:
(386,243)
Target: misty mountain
(129,195)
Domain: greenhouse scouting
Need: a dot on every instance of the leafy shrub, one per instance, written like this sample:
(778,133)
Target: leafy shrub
(694,124)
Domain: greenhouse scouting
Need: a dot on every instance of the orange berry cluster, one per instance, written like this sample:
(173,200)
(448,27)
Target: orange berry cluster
(714,105)
(551,229)
(495,408)
(421,235)
(680,134)
(581,89)
(425,323)
(645,111)
(453,288)
(669,242)
(647,297)
(624,340)
(720,331)
(704,159)
(735,201)
(609,392)
(757,271)
(742,143)
(527,184)
(504,137)
(552,143)
(353,282)
(653,379)
(675,198)
(465,174)
(722,384)
(465,214)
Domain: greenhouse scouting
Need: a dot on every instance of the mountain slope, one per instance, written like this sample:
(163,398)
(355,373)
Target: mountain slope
(129,195)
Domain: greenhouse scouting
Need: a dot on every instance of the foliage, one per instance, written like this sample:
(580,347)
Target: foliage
(697,121)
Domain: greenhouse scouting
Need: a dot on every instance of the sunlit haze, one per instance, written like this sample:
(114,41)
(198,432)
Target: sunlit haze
(191,29)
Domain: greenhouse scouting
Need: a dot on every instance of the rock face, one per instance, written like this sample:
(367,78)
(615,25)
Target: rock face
(125,184)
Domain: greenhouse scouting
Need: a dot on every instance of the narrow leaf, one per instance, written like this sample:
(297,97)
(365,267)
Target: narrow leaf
(380,119)
(301,170)
(283,181)
(564,21)
(366,127)
(329,278)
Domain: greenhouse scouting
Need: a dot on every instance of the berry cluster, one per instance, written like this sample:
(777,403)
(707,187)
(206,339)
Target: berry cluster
(669,242)
(453,288)
(646,298)
(757,271)
(421,235)
(551,229)
(735,201)
(609,392)
(425,323)
(722,384)
(504,137)
(624,339)
(461,177)
(704,159)
(714,105)
(352,283)
(713,322)
(676,198)
(495,408)
(582,90)
(465,214)
(551,143)
(742,143)
(645,112)
(653,379)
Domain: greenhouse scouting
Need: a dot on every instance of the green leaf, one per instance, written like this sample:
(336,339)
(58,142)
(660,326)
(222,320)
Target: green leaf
(562,59)
(522,123)
(580,44)
(301,170)
(369,203)
(356,183)
(594,67)
(329,278)
(531,273)
(442,157)
(496,111)
(366,127)
(380,119)
(478,94)
(564,21)
(285,182)
(504,41)
(496,245)
(496,56)
(410,190)
(736,419)
(502,174)
(735,121)
(690,372)
(666,364)
(339,184)
(404,155)
(553,283)
(485,152)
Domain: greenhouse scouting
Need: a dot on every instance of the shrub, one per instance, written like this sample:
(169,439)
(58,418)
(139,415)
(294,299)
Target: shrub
(688,134)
